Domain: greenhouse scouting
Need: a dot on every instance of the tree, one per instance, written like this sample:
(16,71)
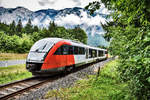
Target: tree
(130,40)
(12,28)
(29,27)
(19,28)
(79,34)
(4,27)
(45,33)
(35,29)
(52,29)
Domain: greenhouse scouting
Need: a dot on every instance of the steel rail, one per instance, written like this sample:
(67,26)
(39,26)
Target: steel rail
(28,87)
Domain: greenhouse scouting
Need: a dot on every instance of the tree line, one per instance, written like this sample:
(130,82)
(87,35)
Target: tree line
(18,39)
(129,35)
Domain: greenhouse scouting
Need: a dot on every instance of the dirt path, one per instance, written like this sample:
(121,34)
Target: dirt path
(11,62)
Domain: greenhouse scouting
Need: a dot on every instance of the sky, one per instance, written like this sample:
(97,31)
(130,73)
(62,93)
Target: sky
(35,5)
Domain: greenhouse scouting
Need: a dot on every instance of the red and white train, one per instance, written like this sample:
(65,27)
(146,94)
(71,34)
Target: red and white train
(52,55)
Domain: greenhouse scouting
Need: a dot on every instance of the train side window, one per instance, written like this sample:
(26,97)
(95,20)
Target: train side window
(80,50)
(90,53)
(100,53)
(58,51)
(76,50)
(95,53)
(83,51)
(63,50)
(70,52)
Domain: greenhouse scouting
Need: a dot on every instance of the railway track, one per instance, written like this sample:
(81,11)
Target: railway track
(13,89)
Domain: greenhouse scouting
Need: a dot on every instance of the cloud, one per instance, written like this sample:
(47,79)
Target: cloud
(35,21)
(69,19)
(78,2)
(103,10)
(76,20)
(35,5)
(46,2)
(85,21)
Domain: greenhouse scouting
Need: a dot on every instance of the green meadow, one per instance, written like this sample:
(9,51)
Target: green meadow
(13,73)
(106,87)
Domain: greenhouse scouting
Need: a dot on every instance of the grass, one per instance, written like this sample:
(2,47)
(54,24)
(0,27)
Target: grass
(106,87)
(12,56)
(12,73)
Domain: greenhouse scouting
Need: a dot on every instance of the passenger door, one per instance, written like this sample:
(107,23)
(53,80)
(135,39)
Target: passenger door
(60,56)
(65,53)
(70,56)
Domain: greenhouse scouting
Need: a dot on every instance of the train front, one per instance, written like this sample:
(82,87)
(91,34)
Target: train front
(37,55)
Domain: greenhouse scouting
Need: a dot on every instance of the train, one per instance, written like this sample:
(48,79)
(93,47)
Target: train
(49,56)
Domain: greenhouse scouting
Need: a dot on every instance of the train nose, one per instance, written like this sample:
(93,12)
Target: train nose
(33,66)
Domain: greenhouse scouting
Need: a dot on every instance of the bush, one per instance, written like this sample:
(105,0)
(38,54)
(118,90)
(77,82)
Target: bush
(130,40)
(26,43)
(21,42)
(15,43)
(9,43)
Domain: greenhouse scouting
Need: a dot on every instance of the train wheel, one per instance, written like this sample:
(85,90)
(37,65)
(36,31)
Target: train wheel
(69,69)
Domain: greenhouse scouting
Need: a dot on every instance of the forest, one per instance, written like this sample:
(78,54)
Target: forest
(129,36)
(14,38)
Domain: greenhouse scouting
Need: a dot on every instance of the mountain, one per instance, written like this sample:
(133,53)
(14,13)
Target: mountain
(68,17)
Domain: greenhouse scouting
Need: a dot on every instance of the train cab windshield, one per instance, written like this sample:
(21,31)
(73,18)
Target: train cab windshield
(41,46)
(39,50)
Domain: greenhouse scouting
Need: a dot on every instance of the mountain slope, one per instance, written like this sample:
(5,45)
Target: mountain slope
(68,17)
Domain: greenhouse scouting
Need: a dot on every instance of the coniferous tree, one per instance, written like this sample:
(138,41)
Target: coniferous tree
(29,27)
(35,29)
(80,34)
(19,27)
(52,28)
(12,28)
(45,33)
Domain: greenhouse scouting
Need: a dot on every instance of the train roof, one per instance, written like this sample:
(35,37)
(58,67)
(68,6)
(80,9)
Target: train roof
(75,43)
(53,40)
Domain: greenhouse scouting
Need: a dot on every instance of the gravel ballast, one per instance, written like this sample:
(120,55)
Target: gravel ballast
(64,82)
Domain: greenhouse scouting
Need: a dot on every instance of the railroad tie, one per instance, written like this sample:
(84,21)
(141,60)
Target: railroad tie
(3,93)
(10,89)
(18,87)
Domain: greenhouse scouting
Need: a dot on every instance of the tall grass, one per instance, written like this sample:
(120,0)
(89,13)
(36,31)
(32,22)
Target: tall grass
(12,56)
(106,87)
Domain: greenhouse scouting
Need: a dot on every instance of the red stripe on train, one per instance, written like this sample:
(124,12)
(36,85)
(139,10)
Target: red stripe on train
(55,61)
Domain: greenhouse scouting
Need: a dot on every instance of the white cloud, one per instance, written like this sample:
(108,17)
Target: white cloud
(76,20)
(47,21)
(69,19)
(86,20)
(45,4)
(30,4)
(35,21)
